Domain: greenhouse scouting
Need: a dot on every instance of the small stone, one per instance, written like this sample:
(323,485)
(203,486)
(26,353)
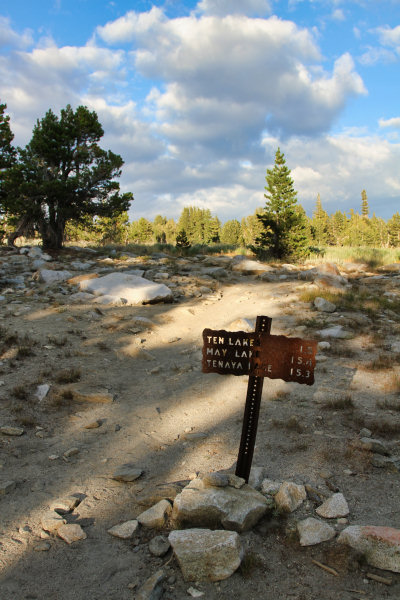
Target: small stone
(323,305)
(42,546)
(52,521)
(6,487)
(290,496)
(42,391)
(93,424)
(256,477)
(54,457)
(334,507)
(71,452)
(364,432)
(205,555)
(152,589)
(13,431)
(194,592)
(235,481)
(65,505)
(270,487)
(373,445)
(215,479)
(312,531)
(124,531)
(159,546)
(127,472)
(156,516)
(71,533)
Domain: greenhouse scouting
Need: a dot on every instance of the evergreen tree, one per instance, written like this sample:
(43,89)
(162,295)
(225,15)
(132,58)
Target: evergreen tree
(159,223)
(7,150)
(113,230)
(364,205)
(319,224)
(64,175)
(284,232)
(231,232)
(337,228)
(251,228)
(394,230)
(141,231)
(181,240)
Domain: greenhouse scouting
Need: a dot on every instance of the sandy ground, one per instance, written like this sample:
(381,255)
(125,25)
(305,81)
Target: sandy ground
(160,398)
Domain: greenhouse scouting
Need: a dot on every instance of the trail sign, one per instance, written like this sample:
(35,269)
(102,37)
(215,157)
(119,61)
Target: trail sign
(258,355)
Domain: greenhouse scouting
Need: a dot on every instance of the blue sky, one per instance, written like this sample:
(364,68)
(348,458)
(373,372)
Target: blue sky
(197,96)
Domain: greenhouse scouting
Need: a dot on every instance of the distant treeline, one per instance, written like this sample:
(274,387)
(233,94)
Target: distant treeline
(201,227)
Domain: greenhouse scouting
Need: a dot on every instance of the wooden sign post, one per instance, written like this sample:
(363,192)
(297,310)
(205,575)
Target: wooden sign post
(258,355)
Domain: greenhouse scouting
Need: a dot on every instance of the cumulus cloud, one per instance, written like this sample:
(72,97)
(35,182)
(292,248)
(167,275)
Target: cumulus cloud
(388,51)
(395,122)
(9,37)
(222,8)
(339,167)
(264,72)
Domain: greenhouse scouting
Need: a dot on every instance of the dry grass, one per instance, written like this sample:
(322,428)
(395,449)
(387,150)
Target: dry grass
(21,392)
(292,424)
(344,402)
(389,404)
(70,375)
(383,362)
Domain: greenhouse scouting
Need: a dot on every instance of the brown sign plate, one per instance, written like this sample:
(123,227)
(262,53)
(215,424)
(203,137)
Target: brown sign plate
(259,354)
(280,357)
(228,352)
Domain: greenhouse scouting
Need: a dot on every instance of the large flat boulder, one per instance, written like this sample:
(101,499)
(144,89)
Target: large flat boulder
(201,505)
(128,289)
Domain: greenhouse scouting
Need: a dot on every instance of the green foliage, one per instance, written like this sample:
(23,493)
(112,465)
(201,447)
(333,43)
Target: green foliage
(284,232)
(7,150)
(141,231)
(320,224)
(231,233)
(364,205)
(199,225)
(64,175)
(182,241)
(394,230)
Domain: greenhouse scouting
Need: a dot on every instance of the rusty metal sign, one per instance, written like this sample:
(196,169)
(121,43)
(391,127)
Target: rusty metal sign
(258,355)
(280,357)
(228,352)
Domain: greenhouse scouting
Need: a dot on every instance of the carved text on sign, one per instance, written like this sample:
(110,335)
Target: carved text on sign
(259,354)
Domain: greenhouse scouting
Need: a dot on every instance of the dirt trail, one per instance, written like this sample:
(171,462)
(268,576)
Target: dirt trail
(161,399)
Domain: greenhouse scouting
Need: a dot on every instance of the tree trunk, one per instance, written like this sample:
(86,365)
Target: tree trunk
(24,225)
(52,235)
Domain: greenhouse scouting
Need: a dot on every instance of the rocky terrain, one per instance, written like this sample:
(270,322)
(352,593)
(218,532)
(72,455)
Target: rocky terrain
(117,453)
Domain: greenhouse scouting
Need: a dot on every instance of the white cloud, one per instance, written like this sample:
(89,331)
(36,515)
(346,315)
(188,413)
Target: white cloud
(338,15)
(9,37)
(389,36)
(394,122)
(260,70)
(131,26)
(389,51)
(221,8)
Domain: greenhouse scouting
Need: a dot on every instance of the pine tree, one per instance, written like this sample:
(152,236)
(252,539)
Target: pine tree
(181,240)
(63,175)
(284,232)
(319,224)
(364,205)
(394,230)
(231,232)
